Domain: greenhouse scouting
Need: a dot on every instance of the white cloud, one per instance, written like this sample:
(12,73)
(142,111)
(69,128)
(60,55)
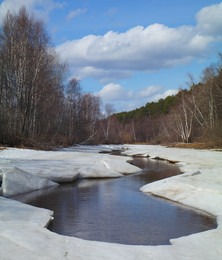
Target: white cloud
(125,99)
(75,13)
(115,55)
(150,91)
(108,75)
(41,8)
(154,93)
(113,92)
(164,94)
(209,20)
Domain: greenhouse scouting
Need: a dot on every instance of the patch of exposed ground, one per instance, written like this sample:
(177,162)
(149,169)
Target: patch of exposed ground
(196,146)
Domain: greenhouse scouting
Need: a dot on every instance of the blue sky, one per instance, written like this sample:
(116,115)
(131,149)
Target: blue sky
(131,52)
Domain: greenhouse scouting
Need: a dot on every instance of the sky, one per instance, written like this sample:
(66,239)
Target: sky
(130,52)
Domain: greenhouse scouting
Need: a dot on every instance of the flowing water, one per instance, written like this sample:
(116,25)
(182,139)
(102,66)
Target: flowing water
(114,210)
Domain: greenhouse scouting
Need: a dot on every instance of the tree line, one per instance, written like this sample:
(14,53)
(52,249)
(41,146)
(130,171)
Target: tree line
(192,115)
(37,106)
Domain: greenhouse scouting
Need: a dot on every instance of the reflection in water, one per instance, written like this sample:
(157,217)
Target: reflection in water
(114,210)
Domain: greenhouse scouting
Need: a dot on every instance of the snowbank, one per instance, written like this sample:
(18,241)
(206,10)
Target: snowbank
(201,184)
(22,232)
(16,181)
(58,166)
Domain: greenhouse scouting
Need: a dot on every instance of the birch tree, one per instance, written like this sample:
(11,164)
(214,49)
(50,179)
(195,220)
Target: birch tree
(182,121)
(106,121)
(89,115)
(31,77)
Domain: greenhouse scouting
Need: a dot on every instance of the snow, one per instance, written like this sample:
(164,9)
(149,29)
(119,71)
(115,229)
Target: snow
(66,165)
(100,171)
(16,181)
(22,232)
(201,184)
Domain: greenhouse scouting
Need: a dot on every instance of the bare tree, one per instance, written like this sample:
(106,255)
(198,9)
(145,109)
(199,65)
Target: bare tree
(106,121)
(31,77)
(89,115)
(183,118)
(204,96)
(73,102)
(133,131)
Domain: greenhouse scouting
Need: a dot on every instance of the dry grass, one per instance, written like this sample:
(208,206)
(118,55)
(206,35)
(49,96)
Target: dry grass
(196,146)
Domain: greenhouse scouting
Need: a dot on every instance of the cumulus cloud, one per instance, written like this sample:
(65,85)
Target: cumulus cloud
(163,94)
(108,75)
(113,92)
(209,20)
(150,91)
(128,99)
(39,7)
(141,48)
(75,13)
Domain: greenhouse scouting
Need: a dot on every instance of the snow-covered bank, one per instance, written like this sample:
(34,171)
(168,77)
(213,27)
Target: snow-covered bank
(22,232)
(201,184)
(16,181)
(24,170)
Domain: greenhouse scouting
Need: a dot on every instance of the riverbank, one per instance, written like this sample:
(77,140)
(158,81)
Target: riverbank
(195,145)
(22,232)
